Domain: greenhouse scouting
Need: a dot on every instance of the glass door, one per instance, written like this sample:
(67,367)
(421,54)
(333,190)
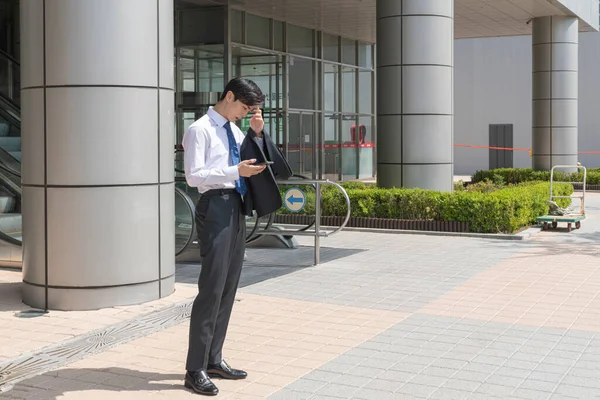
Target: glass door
(266,71)
(302,143)
(199,82)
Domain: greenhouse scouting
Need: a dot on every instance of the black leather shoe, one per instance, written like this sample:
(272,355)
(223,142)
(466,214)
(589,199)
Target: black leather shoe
(223,370)
(199,382)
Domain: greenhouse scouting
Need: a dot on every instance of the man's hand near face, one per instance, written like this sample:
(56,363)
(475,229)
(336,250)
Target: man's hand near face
(257,123)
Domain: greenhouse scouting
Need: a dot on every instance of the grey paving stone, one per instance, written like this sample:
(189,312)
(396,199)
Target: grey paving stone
(577,391)
(437,371)
(408,367)
(418,360)
(583,382)
(478,367)
(362,351)
(287,394)
(348,359)
(495,390)
(489,360)
(520,364)
(385,385)
(561,397)
(576,347)
(334,366)
(509,381)
(416,390)
(540,386)
(546,376)
(449,394)
(530,394)
(429,380)
(564,362)
(471,375)
(462,384)
(377,363)
(569,355)
(365,371)
(530,357)
(322,376)
(388,355)
(370,394)
(306,385)
(449,363)
(353,380)
(583,372)
(332,389)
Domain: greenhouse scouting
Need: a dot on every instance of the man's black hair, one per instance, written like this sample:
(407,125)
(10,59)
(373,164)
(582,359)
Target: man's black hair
(245,91)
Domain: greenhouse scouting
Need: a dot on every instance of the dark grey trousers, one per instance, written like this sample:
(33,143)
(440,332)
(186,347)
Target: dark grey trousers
(222,235)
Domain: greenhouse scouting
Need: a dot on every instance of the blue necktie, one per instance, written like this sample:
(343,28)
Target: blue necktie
(240,184)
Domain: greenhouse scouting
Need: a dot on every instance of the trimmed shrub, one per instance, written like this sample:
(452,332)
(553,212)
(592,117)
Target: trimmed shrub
(505,210)
(518,175)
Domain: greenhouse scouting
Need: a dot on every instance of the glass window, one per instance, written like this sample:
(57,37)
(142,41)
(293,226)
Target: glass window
(349,147)
(237,26)
(348,51)
(365,55)
(331,74)
(301,83)
(331,48)
(301,41)
(365,92)
(366,149)
(278,32)
(349,89)
(258,31)
(331,148)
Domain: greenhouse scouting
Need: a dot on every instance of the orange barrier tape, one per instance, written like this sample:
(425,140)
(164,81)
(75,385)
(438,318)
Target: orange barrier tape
(471,146)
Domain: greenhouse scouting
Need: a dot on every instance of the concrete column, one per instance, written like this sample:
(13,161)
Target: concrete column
(98,134)
(415,105)
(555,91)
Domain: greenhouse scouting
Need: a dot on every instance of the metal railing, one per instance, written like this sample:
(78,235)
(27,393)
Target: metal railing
(317,232)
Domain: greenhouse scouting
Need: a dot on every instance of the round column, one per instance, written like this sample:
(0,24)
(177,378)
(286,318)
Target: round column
(98,134)
(555,91)
(415,105)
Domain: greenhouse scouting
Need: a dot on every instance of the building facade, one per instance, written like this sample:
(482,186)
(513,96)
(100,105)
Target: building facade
(95,96)
(494,89)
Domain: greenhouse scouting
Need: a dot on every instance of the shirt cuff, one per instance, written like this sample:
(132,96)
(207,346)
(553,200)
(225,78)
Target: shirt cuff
(233,172)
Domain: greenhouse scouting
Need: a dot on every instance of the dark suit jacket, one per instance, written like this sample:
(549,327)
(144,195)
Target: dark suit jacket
(263,193)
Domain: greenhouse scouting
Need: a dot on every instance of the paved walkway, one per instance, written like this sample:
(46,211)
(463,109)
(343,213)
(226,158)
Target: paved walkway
(385,316)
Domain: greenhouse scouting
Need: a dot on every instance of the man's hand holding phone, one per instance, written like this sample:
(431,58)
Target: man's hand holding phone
(248,168)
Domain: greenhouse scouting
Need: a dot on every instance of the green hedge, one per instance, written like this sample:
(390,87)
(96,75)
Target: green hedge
(505,210)
(518,175)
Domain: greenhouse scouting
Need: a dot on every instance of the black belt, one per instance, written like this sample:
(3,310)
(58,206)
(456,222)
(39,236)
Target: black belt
(219,192)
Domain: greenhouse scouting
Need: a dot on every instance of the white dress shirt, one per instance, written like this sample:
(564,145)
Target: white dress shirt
(207,161)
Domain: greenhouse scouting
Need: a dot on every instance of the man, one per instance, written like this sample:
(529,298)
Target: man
(212,164)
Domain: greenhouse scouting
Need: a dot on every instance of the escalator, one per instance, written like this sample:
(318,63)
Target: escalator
(10,161)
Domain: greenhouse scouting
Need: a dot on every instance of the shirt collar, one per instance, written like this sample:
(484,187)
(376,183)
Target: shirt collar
(216,117)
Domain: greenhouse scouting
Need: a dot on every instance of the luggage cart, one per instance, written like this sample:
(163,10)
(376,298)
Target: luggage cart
(569,219)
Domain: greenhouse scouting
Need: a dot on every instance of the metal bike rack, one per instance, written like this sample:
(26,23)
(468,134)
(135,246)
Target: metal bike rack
(317,232)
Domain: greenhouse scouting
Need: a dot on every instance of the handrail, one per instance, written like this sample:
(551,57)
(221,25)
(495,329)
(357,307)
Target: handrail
(11,58)
(317,233)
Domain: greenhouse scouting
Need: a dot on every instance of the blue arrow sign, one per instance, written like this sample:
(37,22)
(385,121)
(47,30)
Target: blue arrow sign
(294,200)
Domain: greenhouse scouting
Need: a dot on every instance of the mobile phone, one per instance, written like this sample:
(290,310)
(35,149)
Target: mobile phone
(265,163)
